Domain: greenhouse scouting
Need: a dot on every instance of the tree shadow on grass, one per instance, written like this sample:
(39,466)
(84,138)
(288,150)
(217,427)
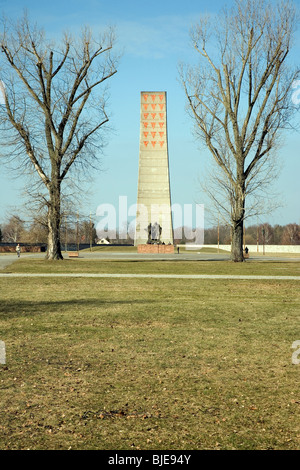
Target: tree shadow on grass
(15,309)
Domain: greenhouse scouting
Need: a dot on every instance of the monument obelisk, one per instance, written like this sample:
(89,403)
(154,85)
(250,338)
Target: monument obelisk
(154,198)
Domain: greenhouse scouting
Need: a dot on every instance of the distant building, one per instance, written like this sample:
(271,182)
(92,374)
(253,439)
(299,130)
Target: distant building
(103,241)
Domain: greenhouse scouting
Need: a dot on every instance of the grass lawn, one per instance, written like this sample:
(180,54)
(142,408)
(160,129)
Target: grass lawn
(149,363)
(83,265)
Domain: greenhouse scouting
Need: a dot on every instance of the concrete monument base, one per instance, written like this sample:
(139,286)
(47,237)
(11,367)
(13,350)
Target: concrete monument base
(148,248)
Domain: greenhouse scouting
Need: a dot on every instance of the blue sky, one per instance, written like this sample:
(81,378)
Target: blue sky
(154,36)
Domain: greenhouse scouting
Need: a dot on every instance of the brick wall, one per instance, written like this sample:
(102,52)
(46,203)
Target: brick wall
(147,248)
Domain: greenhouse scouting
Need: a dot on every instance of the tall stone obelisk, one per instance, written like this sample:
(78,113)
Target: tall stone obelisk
(153,199)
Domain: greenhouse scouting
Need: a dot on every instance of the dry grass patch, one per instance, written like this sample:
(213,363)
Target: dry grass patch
(146,364)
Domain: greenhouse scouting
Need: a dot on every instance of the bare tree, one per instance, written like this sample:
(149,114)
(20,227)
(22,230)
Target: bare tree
(239,97)
(54,116)
(291,235)
(14,230)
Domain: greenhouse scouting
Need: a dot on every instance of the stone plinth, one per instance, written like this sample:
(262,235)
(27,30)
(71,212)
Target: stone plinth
(148,248)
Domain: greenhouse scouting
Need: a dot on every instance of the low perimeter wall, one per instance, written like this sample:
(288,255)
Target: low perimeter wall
(24,249)
(155,248)
(253,248)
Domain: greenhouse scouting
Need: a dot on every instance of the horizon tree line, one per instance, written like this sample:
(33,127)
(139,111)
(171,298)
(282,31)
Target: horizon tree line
(82,230)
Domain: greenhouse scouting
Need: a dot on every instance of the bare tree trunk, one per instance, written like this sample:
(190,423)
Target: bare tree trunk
(237,240)
(54,219)
(237,217)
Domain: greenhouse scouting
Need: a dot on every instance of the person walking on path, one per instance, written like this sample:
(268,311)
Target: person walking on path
(18,250)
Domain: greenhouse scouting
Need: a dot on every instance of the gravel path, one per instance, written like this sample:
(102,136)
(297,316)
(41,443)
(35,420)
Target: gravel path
(155,276)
